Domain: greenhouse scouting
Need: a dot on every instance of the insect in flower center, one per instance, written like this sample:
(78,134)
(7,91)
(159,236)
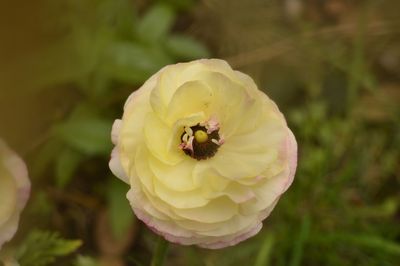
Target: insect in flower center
(202,140)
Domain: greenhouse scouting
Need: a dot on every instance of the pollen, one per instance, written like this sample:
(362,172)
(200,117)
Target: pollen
(201,136)
(201,141)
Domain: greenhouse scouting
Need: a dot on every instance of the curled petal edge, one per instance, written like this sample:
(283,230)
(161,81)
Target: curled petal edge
(116,166)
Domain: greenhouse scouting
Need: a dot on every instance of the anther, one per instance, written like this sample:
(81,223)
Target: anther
(201,141)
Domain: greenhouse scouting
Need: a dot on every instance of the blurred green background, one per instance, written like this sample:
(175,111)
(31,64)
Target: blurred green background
(332,66)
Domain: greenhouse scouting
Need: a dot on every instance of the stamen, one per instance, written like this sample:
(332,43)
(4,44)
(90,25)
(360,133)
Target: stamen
(215,141)
(200,136)
(189,131)
(211,125)
(185,138)
(202,140)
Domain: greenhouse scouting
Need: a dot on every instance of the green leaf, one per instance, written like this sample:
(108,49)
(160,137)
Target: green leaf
(41,248)
(120,212)
(184,47)
(66,163)
(132,63)
(85,261)
(45,156)
(156,23)
(89,135)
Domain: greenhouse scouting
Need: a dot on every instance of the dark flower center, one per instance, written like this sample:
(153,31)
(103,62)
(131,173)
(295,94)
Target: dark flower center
(199,143)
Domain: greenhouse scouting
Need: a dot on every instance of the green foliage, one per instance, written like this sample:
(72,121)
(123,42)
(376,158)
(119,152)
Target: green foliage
(120,212)
(186,47)
(90,136)
(85,261)
(66,164)
(133,63)
(298,245)
(327,78)
(155,24)
(42,248)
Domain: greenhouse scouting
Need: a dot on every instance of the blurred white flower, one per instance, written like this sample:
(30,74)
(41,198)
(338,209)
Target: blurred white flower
(14,191)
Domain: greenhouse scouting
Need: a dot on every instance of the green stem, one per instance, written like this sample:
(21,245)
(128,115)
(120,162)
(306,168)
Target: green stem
(160,252)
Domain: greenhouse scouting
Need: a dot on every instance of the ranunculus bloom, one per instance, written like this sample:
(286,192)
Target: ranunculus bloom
(14,191)
(207,154)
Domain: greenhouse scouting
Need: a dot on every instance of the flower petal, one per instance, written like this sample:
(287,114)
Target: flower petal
(217,210)
(158,137)
(14,176)
(190,98)
(116,166)
(177,177)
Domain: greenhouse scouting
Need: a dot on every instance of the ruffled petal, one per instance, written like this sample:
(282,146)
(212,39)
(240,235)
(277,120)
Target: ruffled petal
(116,166)
(116,128)
(190,98)
(131,129)
(159,137)
(177,177)
(217,210)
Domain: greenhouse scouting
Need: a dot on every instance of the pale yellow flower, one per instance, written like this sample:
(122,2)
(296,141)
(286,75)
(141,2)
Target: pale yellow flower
(14,191)
(207,154)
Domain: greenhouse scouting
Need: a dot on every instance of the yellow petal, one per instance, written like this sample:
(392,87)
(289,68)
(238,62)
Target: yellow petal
(177,177)
(131,130)
(218,210)
(190,98)
(267,192)
(179,199)
(158,138)
(140,170)
(229,101)
(249,155)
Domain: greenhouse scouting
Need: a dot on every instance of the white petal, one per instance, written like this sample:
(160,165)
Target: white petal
(13,168)
(116,166)
(115,131)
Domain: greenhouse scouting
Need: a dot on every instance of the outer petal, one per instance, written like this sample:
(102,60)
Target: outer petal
(15,168)
(116,165)
(291,149)
(226,242)
(131,129)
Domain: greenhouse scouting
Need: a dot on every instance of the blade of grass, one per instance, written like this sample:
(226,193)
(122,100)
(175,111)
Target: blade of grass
(302,237)
(376,243)
(356,70)
(264,254)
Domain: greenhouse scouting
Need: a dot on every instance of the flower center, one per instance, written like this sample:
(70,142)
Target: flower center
(201,141)
(200,136)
